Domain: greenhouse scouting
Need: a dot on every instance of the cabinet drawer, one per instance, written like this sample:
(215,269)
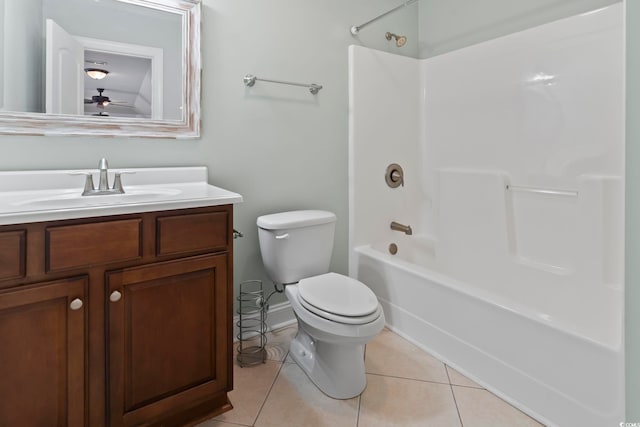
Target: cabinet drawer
(12,254)
(194,232)
(81,245)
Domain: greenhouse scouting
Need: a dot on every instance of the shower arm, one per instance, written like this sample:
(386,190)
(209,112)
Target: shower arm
(356,28)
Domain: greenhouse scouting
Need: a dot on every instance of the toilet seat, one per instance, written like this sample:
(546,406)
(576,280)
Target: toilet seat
(339,298)
(360,320)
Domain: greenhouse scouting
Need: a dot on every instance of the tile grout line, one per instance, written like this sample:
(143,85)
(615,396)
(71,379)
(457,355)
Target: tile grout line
(226,422)
(482,389)
(453,395)
(364,356)
(413,379)
(270,388)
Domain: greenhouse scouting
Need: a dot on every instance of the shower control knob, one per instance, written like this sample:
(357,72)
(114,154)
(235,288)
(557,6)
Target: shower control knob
(394,176)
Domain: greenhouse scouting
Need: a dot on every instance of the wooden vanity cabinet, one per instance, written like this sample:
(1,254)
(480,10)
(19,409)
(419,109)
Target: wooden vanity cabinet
(42,354)
(167,337)
(117,321)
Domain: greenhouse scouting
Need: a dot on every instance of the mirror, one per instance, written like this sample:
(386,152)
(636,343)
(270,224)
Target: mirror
(100,67)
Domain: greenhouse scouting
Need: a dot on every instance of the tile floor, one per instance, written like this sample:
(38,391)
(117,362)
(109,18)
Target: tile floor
(405,387)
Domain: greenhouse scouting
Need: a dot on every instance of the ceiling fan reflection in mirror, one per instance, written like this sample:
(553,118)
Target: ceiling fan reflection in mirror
(101,101)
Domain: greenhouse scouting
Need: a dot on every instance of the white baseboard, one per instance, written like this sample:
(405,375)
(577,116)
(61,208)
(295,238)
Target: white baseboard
(279,316)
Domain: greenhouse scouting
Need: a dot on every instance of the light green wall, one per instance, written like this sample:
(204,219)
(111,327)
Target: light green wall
(279,146)
(632,279)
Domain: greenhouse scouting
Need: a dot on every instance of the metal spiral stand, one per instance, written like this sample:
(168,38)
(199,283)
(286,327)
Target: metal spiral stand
(252,324)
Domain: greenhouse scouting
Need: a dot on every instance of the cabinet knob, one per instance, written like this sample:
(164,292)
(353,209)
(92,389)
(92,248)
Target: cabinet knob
(76,304)
(115,296)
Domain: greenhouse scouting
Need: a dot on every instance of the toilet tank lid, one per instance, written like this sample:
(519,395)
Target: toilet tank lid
(295,219)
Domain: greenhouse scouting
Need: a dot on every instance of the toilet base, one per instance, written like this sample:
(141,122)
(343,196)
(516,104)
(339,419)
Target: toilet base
(336,369)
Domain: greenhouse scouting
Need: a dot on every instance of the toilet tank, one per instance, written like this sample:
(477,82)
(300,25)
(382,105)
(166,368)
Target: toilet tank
(296,244)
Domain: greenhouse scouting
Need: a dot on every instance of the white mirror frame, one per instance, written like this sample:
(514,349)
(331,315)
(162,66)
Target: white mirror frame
(18,123)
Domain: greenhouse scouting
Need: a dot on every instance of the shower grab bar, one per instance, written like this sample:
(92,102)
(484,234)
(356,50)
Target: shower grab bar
(356,28)
(250,80)
(549,191)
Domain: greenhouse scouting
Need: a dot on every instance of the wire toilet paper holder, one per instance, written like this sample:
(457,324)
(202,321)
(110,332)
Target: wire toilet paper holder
(252,323)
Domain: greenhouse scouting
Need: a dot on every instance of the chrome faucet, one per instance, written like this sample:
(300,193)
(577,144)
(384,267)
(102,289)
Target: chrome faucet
(103,184)
(103,165)
(406,229)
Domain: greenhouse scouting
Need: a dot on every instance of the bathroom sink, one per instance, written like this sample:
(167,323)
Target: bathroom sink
(49,195)
(73,198)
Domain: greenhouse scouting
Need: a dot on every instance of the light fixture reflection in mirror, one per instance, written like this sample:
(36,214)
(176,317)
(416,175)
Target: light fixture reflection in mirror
(27,109)
(96,73)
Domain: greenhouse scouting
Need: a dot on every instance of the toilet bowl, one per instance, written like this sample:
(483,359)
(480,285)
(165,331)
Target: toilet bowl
(331,351)
(337,315)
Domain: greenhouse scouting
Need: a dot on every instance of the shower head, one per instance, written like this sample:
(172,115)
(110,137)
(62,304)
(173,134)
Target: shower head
(400,40)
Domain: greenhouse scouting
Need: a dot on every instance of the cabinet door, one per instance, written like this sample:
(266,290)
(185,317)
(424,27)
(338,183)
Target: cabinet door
(168,337)
(42,355)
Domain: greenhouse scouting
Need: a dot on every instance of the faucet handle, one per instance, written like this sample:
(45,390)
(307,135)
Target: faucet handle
(88,182)
(117,181)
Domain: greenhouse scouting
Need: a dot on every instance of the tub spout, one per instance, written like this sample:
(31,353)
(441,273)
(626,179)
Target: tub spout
(406,229)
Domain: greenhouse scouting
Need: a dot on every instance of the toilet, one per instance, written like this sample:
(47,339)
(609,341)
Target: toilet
(337,315)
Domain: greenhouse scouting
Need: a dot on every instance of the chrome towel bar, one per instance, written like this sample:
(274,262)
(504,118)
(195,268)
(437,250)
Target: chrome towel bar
(250,80)
(572,193)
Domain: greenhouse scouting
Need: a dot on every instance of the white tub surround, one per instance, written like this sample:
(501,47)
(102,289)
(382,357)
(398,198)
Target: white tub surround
(46,195)
(513,158)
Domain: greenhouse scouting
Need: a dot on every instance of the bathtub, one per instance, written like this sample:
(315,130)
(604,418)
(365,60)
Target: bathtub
(558,366)
(514,189)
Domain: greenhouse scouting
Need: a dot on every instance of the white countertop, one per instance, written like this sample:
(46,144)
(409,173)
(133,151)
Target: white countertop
(47,195)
